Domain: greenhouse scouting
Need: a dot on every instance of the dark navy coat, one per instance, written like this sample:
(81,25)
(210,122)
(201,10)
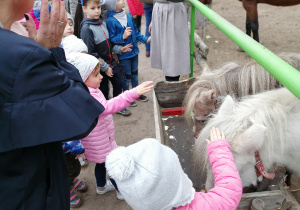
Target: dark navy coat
(42,97)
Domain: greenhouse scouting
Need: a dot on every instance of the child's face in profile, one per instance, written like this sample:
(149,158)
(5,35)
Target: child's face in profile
(92,10)
(120,5)
(95,78)
(69,29)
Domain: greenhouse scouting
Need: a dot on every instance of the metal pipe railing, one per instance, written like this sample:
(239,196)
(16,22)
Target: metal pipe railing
(282,71)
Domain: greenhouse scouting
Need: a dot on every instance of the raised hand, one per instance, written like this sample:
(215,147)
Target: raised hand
(215,135)
(127,32)
(145,87)
(51,29)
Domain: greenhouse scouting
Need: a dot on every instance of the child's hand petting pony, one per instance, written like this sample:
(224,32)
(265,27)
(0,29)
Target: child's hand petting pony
(215,135)
(145,87)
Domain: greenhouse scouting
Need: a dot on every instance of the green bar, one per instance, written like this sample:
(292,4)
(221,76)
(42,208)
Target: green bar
(282,71)
(192,39)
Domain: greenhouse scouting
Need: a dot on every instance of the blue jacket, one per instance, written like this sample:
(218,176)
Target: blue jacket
(116,32)
(74,147)
(42,97)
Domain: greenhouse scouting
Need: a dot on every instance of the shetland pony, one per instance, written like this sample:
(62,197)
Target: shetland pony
(204,95)
(268,122)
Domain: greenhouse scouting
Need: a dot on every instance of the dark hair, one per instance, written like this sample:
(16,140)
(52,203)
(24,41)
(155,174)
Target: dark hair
(78,18)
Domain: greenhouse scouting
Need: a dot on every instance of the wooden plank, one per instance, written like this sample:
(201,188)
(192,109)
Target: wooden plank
(201,62)
(171,94)
(289,202)
(257,204)
(272,199)
(199,44)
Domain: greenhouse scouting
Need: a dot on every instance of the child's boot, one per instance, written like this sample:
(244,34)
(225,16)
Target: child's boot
(75,201)
(79,185)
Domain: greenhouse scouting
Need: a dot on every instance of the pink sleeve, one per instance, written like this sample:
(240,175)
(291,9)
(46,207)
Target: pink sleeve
(117,103)
(227,192)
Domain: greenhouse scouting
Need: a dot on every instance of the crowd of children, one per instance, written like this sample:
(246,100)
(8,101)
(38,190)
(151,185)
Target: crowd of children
(108,52)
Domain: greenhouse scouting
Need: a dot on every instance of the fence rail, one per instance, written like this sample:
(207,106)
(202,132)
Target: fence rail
(282,71)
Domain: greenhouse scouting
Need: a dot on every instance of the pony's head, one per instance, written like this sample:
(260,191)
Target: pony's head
(201,98)
(245,138)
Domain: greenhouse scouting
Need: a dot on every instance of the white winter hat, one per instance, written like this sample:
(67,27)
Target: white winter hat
(149,176)
(73,44)
(85,63)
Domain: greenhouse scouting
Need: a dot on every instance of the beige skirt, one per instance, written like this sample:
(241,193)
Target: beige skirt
(170,47)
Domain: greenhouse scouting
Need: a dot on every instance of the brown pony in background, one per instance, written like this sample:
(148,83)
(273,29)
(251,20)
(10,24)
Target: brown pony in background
(208,91)
(252,16)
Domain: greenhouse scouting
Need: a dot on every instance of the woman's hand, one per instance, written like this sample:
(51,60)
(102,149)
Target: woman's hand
(145,87)
(215,135)
(51,29)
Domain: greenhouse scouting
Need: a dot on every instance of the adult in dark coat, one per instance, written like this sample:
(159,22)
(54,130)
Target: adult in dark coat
(42,102)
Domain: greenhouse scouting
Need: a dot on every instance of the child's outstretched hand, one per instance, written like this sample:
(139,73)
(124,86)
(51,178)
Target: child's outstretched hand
(126,48)
(145,87)
(148,40)
(127,33)
(215,135)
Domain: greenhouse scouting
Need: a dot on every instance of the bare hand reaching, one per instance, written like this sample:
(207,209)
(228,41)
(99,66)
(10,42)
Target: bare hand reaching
(51,29)
(127,33)
(215,135)
(145,87)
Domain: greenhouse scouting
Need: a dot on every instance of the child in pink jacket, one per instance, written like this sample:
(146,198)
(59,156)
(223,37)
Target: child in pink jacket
(101,141)
(149,176)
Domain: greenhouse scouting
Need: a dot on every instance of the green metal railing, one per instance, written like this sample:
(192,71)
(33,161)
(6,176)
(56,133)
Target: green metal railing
(282,71)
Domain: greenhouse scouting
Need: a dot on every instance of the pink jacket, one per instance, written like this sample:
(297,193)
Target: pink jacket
(227,192)
(101,141)
(135,7)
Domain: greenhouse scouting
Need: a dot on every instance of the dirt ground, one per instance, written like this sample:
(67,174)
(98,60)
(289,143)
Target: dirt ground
(279,32)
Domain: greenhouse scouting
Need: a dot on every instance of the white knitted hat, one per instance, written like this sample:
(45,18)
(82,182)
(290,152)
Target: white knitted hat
(149,176)
(85,63)
(73,44)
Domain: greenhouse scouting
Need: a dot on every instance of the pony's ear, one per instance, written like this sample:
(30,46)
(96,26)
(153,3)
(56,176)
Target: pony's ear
(208,96)
(251,140)
(226,106)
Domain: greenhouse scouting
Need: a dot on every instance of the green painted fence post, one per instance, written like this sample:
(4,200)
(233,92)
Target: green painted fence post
(282,71)
(192,40)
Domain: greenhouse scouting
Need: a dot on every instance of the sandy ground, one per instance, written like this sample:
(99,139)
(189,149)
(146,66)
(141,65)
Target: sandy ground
(279,32)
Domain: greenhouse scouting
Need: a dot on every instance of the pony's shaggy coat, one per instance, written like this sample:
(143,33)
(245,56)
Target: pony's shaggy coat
(204,95)
(268,122)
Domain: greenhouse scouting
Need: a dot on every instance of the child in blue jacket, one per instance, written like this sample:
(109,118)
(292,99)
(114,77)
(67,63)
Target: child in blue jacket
(123,31)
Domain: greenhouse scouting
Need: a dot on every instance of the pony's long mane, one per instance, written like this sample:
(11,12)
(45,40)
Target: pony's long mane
(269,109)
(237,80)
